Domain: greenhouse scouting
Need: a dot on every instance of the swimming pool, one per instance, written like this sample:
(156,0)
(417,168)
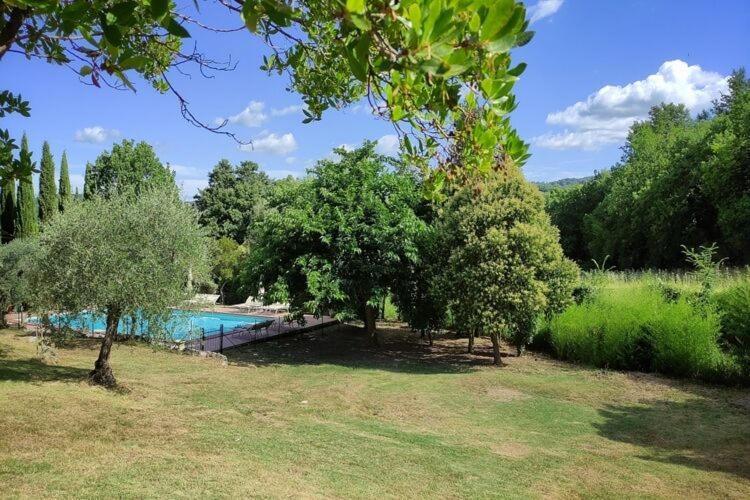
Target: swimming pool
(180,325)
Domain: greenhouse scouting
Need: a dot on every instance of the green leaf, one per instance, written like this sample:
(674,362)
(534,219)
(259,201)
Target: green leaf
(112,34)
(176,29)
(250,15)
(355,6)
(159,8)
(517,70)
(85,71)
(501,45)
(135,62)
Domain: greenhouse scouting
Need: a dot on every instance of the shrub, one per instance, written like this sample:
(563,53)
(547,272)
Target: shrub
(733,304)
(633,326)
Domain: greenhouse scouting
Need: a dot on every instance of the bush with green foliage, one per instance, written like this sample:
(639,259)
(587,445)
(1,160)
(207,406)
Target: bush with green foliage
(733,304)
(418,291)
(227,260)
(505,267)
(119,256)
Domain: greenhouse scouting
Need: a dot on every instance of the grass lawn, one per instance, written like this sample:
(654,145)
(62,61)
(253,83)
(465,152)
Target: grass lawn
(327,416)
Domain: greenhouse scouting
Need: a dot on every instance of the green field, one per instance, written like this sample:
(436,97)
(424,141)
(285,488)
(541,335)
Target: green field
(329,416)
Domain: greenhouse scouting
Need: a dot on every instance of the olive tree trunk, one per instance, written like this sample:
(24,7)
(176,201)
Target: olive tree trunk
(371,314)
(496,348)
(102,372)
(471,341)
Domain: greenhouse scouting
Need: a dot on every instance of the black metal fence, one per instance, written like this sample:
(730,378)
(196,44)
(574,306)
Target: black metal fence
(218,340)
(222,339)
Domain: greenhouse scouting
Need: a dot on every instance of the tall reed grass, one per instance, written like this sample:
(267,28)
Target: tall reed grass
(648,322)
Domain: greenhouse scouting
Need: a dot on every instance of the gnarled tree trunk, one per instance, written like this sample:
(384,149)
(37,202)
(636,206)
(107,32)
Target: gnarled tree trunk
(102,372)
(371,314)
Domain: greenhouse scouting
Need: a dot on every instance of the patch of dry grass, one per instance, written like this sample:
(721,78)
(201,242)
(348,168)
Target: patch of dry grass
(327,415)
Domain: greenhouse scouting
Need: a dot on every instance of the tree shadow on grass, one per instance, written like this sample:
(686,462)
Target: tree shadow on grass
(33,370)
(400,351)
(705,434)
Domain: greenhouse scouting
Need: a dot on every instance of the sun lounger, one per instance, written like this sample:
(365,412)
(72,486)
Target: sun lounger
(252,303)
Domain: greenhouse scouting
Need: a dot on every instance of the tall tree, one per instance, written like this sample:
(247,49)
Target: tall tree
(505,266)
(48,202)
(88,182)
(233,199)
(128,166)
(66,195)
(120,256)
(8,209)
(338,240)
(27,220)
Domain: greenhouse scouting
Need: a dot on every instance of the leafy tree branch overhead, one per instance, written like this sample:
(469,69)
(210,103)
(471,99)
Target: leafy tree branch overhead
(425,65)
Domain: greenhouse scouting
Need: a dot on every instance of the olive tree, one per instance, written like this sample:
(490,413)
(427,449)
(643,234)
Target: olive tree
(505,266)
(119,256)
(16,260)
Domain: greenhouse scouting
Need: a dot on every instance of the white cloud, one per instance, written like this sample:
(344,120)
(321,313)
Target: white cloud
(290,160)
(95,135)
(272,143)
(607,114)
(543,8)
(387,145)
(252,116)
(289,110)
(185,171)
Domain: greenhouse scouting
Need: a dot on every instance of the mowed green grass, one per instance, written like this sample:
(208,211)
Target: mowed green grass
(329,416)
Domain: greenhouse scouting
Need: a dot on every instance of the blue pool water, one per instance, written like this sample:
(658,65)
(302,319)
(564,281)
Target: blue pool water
(181,324)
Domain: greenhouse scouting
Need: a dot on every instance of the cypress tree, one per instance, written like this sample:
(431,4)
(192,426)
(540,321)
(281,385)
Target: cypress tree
(48,202)
(8,209)
(89,183)
(27,223)
(66,197)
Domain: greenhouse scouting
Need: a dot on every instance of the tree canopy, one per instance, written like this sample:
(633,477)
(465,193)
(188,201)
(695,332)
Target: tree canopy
(233,199)
(425,65)
(118,256)
(337,240)
(128,166)
(505,266)
(681,181)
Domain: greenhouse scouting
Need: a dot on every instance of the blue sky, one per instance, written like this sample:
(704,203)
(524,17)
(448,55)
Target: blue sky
(594,67)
